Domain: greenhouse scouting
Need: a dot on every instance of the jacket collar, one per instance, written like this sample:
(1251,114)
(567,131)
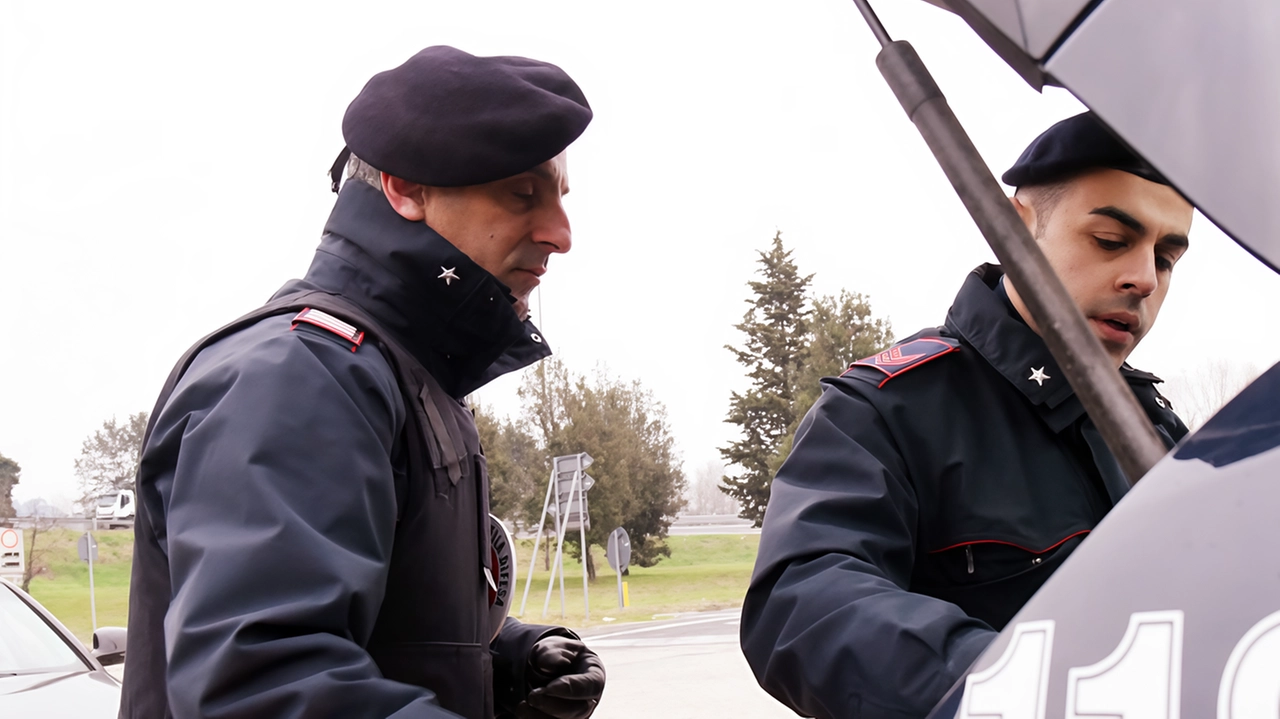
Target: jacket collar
(454,316)
(982,318)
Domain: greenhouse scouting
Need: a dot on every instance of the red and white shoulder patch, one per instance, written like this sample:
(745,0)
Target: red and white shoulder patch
(327,321)
(902,357)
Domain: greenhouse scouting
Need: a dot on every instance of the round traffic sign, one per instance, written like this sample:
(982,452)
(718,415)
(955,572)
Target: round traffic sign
(9,538)
(618,551)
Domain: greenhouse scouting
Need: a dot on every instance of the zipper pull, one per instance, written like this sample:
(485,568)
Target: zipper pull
(968,554)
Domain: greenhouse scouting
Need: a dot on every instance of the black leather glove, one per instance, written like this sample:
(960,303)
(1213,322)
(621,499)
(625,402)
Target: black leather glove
(570,680)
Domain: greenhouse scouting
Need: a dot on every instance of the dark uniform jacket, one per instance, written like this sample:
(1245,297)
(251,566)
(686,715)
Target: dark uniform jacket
(312,521)
(930,491)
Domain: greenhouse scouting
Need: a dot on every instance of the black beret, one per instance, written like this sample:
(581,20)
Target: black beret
(1072,146)
(447,118)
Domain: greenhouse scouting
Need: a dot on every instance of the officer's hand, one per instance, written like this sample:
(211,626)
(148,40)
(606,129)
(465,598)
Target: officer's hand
(573,676)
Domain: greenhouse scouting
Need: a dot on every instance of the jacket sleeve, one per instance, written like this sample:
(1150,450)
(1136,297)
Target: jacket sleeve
(510,651)
(828,625)
(279,520)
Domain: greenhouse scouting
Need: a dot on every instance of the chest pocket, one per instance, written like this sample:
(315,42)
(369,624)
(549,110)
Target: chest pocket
(993,530)
(982,562)
(991,580)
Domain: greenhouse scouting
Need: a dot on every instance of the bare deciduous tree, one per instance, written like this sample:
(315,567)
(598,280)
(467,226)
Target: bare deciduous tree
(108,459)
(703,494)
(1201,392)
(34,552)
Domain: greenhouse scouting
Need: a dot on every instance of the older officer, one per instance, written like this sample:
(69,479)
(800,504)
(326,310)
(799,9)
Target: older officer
(935,486)
(312,534)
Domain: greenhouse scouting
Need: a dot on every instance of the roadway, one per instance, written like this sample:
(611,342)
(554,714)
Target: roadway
(688,667)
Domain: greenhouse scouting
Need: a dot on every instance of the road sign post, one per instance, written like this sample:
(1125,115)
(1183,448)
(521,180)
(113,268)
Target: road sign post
(88,550)
(537,538)
(618,553)
(582,542)
(568,484)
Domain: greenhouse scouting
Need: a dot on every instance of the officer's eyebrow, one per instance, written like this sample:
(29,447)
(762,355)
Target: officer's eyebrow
(1173,239)
(1122,217)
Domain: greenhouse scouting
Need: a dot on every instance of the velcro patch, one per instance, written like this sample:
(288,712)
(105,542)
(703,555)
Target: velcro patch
(333,324)
(902,357)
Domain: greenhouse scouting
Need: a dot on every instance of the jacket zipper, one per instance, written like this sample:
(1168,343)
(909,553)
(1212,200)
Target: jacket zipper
(968,555)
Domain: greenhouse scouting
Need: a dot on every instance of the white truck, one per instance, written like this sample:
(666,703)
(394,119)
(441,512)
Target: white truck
(116,509)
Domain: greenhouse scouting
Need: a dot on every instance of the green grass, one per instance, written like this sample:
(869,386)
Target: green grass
(704,572)
(62,584)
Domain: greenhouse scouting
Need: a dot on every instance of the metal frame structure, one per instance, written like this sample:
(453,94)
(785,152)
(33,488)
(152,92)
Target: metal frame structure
(580,482)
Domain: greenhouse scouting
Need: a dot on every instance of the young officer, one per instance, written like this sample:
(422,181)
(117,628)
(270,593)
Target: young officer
(312,530)
(934,487)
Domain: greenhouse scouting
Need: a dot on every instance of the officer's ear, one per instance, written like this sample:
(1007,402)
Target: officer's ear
(1026,212)
(407,198)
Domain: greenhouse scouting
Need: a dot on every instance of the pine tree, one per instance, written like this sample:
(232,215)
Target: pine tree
(841,331)
(776,328)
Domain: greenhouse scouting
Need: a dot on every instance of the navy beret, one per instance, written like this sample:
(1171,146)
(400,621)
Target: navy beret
(447,118)
(1072,146)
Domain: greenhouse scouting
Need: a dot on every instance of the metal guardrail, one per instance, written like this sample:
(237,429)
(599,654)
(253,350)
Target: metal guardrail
(710,520)
(77,523)
(85,524)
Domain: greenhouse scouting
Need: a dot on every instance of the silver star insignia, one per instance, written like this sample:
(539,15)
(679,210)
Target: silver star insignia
(1039,376)
(448,275)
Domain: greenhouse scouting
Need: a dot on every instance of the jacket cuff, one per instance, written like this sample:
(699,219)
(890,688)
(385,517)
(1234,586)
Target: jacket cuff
(510,650)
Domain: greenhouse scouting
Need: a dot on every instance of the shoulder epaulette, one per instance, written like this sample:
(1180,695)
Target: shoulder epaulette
(902,357)
(324,320)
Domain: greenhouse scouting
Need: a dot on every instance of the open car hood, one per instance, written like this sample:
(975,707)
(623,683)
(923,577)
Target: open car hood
(1193,87)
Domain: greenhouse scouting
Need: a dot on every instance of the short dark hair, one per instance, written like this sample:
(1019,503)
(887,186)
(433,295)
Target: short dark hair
(1043,199)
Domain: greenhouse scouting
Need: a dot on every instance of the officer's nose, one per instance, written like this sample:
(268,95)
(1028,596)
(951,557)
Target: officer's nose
(553,231)
(1138,274)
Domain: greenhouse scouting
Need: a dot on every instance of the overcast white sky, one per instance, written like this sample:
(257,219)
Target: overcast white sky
(162,170)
